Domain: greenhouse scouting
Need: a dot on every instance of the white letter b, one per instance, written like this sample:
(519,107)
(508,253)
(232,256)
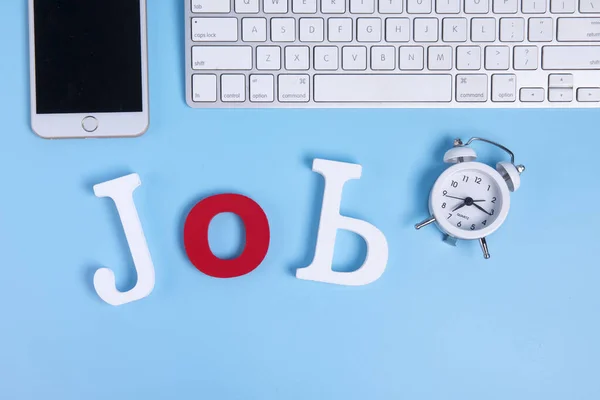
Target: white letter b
(336,174)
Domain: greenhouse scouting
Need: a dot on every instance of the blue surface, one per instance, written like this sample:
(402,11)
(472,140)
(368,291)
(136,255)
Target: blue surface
(441,323)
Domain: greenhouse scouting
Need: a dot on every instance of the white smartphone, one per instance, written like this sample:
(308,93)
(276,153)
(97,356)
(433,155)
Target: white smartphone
(89,68)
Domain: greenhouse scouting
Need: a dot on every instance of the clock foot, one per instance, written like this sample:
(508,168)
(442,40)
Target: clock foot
(450,240)
(428,221)
(484,248)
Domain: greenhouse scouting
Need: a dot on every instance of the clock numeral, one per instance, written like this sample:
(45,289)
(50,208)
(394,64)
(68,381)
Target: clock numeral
(489,186)
(477,180)
(459,224)
(444,205)
(492,212)
(494,200)
(473,227)
(445,192)
(484,222)
(454,184)
(449,215)
(465,178)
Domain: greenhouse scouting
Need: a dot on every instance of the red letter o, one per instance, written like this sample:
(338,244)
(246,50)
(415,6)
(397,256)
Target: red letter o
(195,235)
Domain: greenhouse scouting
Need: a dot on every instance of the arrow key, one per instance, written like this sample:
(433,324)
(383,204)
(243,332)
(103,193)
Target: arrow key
(560,81)
(560,94)
(588,94)
(532,95)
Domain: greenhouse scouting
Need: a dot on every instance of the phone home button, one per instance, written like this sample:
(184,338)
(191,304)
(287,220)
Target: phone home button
(89,124)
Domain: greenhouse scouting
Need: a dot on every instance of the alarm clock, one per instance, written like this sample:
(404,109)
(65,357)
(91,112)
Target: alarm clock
(470,200)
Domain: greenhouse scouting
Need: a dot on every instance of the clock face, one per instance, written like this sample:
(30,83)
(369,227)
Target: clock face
(468,200)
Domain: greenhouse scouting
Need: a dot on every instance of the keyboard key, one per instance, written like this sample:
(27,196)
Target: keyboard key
(447,6)
(369,29)
(468,57)
(383,58)
(505,6)
(254,29)
(454,30)
(589,6)
(540,29)
(504,87)
(275,6)
(233,88)
(411,58)
(418,6)
(297,58)
(471,88)
(439,58)
(483,29)
(333,6)
(214,29)
(340,29)
(210,6)
(268,57)
(512,29)
(283,29)
(304,6)
(497,57)
(425,29)
(311,29)
(246,6)
(560,80)
(204,88)
(383,88)
(261,88)
(525,58)
(390,6)
(397,29)
(534,6)
(529,95)
(222,57)
(560,94)
(294,88)
(326,58)
(477,6)
(562,6)
(578,29)
(362,6)
(354,58)
(588,94)
(570,57)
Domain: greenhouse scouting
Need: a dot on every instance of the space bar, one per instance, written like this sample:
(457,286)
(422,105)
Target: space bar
(383,88)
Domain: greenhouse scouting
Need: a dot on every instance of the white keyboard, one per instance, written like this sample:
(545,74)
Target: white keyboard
(393,53)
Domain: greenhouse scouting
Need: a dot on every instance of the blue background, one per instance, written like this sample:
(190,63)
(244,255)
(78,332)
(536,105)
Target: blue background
(441,323)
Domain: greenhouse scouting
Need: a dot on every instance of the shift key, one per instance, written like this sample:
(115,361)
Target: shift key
(570,57)
(222,57)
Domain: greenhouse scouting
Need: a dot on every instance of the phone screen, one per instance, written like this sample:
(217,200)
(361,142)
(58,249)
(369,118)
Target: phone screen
(88,56)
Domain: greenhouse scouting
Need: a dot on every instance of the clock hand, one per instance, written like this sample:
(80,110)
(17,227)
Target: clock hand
(460,198)
(481,208)
(460,206)
(452,197)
